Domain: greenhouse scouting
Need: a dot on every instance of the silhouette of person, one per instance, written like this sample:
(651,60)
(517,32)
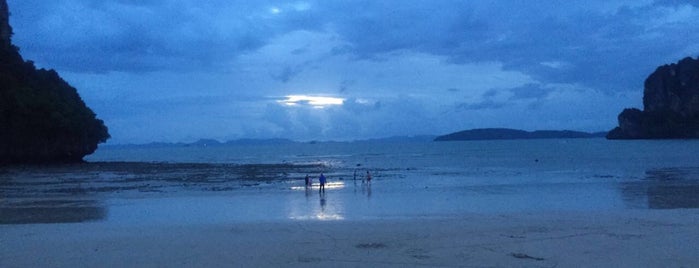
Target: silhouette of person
(322,181)
(308,180)
(368,177)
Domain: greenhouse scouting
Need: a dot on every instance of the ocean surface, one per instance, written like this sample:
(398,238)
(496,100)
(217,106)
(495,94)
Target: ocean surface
(232,183)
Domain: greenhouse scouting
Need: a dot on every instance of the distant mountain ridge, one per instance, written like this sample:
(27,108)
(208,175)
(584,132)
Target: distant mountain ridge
(277,141)
(418,138)
(208,143)
(513,134)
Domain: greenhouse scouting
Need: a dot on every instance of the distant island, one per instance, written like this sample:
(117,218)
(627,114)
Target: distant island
(670,105)
(273,141)
(513,134)
(42,118)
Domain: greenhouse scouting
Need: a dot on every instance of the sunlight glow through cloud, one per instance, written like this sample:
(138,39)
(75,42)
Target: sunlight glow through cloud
(313,101)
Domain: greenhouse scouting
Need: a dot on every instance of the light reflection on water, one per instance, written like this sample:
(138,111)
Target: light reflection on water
(328,186)
(307,210)
(338,202)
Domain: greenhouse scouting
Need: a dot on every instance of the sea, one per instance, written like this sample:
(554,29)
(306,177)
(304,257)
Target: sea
(179,184)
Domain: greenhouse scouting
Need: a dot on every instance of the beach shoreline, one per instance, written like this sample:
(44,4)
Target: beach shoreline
(626,238)
(557,203)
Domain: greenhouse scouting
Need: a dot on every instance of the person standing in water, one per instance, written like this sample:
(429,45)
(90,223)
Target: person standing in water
(322,180)
(368,177)
(308,181)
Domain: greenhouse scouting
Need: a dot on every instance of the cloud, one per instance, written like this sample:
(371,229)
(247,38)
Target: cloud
(287,73)
(482,105)
(530,91)
(593,39)
(216,68)
(677,2)
(532,94)
(143,36)
(590,39)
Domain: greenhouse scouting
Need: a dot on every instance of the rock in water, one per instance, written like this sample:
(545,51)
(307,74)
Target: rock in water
(670,105)
(42,118)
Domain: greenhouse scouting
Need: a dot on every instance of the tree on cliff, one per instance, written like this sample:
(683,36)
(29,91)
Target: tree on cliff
(42,118)
(671,105)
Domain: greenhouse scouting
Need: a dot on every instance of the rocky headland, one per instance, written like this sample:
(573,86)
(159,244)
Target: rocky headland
(42,117)
(670,105)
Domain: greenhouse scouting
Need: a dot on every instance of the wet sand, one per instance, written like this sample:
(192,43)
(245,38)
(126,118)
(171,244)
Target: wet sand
(630,238)
(223,193)
(224,215)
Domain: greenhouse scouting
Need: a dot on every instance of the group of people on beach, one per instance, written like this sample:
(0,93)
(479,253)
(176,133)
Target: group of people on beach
(322,180)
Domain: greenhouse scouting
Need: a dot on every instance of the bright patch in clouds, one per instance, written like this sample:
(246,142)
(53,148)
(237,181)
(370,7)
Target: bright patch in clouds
(555,64)
(313,101)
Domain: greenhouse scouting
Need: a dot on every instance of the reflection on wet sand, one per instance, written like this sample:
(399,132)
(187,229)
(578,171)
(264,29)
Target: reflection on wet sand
(51,211)
(325,213)
(366,189)
(326,208)
(669,197)
(667,188)
(38,198)
(335,185)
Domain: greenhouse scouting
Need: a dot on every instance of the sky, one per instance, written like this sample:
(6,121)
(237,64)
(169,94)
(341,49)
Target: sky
(181,70)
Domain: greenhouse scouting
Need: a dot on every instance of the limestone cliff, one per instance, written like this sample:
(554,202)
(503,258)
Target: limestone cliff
(670,105)
(5,30)
(42,118)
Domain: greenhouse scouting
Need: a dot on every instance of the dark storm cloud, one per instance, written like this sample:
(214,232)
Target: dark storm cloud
(490,94)
(611,50)
(136,36)
(530,91)
(487,104)
(677,2)
(375,27)
(575,42)
(287,73)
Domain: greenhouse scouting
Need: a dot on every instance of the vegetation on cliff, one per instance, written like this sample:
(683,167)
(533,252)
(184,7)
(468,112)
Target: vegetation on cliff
(42,118)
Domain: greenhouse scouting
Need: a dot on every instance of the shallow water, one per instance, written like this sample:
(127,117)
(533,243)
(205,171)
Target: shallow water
(411,180)
(384,199)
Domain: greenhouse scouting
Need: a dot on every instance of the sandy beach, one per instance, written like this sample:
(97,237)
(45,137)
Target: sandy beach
(632,238)
(582,204)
